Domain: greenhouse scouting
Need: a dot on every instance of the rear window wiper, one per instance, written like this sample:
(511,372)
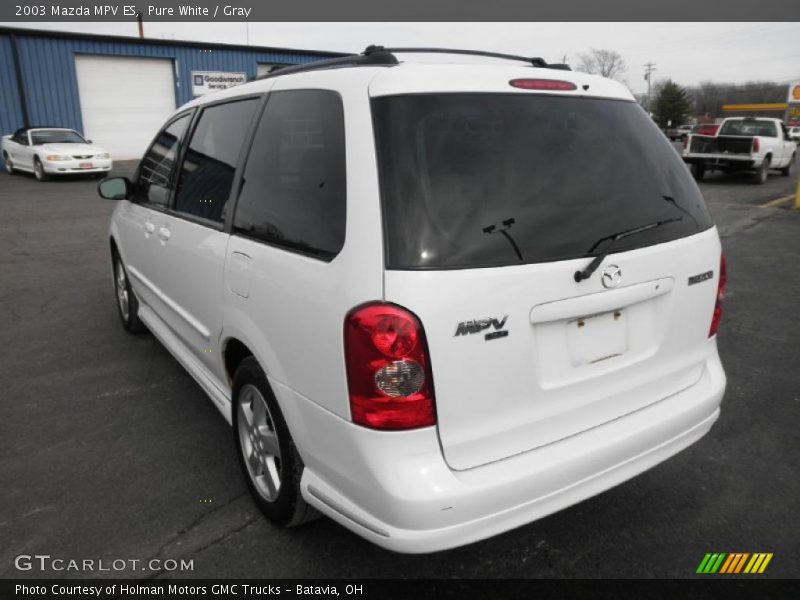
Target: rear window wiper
(615,237)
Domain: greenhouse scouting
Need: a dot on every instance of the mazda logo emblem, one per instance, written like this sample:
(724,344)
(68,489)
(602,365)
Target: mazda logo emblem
(612,275)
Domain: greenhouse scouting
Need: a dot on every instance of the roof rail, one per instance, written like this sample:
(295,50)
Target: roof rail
(380,56)
(354,60)
(533,60)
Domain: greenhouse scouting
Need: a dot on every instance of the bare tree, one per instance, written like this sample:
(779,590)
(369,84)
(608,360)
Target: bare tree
(709,97)
(603,62)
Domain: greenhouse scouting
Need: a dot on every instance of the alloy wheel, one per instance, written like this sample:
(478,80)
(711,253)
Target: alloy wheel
(259,445)
(122,291)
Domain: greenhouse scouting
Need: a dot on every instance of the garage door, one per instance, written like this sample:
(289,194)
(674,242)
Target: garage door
(124,101)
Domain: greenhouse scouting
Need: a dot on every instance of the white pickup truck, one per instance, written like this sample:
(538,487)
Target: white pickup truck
(742,144)
(47,151)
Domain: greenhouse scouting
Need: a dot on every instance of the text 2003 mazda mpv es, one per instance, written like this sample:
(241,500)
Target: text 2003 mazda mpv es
(435,301)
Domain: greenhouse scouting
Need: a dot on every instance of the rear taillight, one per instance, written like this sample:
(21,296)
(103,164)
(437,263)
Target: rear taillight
(756,145)
(543,84)
(723,281)
(388,369)
(685,142)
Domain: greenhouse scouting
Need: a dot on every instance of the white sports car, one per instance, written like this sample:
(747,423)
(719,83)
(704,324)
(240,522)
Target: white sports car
(46,151)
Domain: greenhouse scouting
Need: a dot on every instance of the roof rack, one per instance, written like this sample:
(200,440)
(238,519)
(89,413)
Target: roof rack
(380,56)
(354,60)
(533,60)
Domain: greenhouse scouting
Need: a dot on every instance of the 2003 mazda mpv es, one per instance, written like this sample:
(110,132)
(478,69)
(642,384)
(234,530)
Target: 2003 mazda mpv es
(435,301)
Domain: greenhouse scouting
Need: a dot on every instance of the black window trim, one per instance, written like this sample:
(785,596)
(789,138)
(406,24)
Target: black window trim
(192,113)
(244,151)
(324,257)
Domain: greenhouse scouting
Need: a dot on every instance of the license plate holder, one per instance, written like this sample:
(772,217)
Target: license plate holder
(85,165)
(596,338)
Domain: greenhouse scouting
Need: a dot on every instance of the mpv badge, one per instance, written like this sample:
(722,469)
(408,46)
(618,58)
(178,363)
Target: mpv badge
(612,275)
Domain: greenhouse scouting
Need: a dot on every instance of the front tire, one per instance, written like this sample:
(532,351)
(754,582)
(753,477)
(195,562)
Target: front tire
(8,164)
(267,455)
(787,170)
(38,170)
(127,303)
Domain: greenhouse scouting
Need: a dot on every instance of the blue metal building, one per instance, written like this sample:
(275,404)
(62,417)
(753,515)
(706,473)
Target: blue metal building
(39,80)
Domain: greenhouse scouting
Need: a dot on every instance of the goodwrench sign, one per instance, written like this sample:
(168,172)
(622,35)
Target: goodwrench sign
(205,82)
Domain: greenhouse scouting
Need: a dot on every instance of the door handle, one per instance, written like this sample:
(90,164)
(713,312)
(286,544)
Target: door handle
(163,233)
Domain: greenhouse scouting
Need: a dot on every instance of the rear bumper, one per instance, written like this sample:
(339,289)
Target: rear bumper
(723,160)
(396,490)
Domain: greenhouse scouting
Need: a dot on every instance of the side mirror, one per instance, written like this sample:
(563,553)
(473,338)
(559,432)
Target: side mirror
(115,188)
(89,142)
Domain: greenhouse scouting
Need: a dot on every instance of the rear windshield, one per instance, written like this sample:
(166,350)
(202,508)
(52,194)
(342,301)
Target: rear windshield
(483,180)
(749,127)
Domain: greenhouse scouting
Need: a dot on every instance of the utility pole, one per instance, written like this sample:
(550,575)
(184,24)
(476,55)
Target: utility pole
(648,75)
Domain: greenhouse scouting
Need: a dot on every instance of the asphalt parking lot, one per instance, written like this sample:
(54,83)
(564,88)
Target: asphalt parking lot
(108,449)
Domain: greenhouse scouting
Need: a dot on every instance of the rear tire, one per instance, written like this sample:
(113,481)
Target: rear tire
(8,164)
(762,173)
(787,170)
(127,304)
(267,455)
(698,171)
(38,170)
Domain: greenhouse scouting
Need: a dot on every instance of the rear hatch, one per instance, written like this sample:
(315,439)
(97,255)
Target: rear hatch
(724,144)
(491,203)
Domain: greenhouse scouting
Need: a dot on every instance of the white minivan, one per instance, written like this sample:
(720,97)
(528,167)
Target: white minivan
(436,301)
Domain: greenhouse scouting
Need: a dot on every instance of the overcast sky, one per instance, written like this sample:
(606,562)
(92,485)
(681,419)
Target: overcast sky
(685,52)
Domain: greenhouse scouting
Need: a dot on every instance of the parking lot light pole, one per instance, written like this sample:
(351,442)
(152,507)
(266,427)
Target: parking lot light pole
(649,68)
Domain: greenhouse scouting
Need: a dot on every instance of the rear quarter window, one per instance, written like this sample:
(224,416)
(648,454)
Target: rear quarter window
(293,192)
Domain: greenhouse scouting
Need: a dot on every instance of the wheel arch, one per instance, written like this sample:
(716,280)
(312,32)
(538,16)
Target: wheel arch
(115,254)
(234,351)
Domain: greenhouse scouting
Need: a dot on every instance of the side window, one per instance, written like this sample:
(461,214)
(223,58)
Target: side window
(206,175)
(767,129)
(22,139)
(155,173)
(293,192)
